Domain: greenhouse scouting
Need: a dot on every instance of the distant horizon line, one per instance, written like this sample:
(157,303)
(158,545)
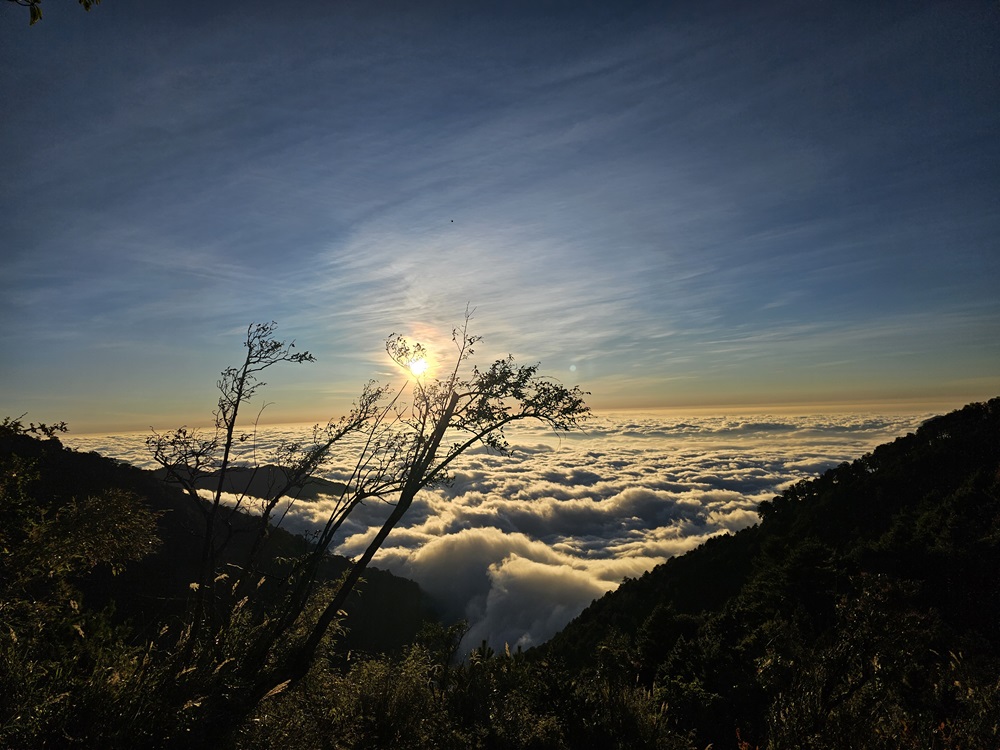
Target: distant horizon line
(890,406)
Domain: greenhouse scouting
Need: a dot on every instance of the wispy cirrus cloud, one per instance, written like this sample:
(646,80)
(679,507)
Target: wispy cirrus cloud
(687,206)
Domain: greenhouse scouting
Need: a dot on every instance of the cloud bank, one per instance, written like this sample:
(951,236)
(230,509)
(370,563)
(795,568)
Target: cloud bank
(518,545)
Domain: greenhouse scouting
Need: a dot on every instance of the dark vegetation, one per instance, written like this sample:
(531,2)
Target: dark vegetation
(97,558)
(863,611)
(35,8)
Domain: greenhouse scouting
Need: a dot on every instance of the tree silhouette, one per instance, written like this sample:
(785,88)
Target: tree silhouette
(35,8)
(405,440)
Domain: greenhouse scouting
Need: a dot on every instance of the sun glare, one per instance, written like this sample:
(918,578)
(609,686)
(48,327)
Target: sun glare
(418,366)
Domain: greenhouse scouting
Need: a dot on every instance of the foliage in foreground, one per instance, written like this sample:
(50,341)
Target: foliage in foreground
(862,612)
(422,699)
(61,663)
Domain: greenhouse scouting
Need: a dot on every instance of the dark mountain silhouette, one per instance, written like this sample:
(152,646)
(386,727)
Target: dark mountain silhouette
(385,615)
(261,481)
(865,598)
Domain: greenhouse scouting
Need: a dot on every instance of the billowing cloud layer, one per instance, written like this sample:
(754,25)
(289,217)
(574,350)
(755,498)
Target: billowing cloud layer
(518,545)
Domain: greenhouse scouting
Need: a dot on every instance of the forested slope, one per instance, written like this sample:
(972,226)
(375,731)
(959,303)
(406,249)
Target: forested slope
(68,487)
(863,610)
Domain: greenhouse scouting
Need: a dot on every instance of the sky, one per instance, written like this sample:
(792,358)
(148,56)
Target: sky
(672,204)
(517,546)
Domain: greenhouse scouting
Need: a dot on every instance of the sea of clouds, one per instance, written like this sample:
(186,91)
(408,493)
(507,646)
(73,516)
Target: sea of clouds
(519,545)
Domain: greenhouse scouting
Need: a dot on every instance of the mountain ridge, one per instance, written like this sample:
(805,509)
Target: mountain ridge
(157,586)
(912,528)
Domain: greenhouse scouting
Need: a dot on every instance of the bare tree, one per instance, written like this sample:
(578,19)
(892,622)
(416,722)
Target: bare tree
(189,458)
(414,445)
(405,441)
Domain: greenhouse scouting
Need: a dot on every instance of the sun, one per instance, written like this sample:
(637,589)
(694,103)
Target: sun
(418,366)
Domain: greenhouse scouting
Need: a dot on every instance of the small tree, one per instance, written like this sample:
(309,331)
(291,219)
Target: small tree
(406,441)
(190,459)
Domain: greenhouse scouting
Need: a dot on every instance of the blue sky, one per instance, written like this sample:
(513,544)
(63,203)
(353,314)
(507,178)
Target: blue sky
(672,204)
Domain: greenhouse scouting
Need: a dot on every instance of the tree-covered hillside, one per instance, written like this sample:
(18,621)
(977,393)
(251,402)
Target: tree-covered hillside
(154,585)
(862,611)
(97,560)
